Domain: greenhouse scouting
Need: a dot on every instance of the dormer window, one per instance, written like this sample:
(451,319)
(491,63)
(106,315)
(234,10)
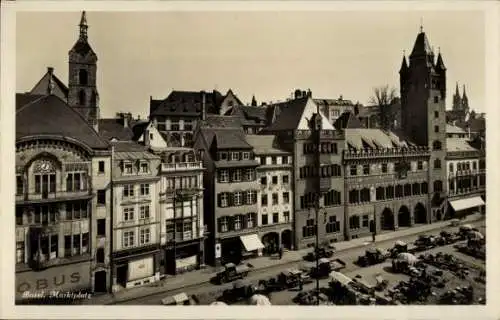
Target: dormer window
(235,156)
(222,155)
(189,157)
(127,167)
(246,155)
(144,167)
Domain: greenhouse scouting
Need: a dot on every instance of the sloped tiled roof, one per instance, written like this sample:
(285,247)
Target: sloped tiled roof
(294,114)
(42,86)
(124,150)
(421,45)
(50,115)
(217,121)
(347,120)
(231,139)
(186,103)
(458,144)
(333,102)
(454,129)
(264,144)
(23,99)
(113,128)
(372,139)
(251,115)
(83,48)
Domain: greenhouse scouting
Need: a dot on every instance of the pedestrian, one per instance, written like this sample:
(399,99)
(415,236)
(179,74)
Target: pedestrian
(373,236)
(281,252)
(301,285)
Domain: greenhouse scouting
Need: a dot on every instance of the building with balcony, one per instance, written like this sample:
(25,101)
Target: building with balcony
(63,174)
(135,223)
(293,124)
(275,195)
(62,195)
(385,180)
(176,116)
(231,188)
(466,171)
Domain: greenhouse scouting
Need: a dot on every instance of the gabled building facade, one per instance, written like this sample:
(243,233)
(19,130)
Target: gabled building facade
(231,188)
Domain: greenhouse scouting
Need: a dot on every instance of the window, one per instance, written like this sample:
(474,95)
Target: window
(354,170)
(250,175)
(286,197)
(436,129)
(263,181)
(309,229)
(20,252)
(276,218)
(436,99)
(286,216)
(436,114)
(223,175)
(82,77)
(101,227)
(250,220)
(128,239)
(223,200)
(188,126)
(420,165)
(284,160)
(263,160)
(222,155)
(128,213)
(366,169)
(365,221)
(144,189)
(100,255)
(101,167)
(407,190)
(127,168)
(144,212)
(81,97)
(237,198)
(263,200)
(275,179)
(223,225)
(436,145)
(174,125)
(145,236)
(332,225)
(128,190)
(74,181)
(236,175)
(275,199)
(286,179)
(354,222)
(332,198)
(424,188)
(144,167)
(274,160)
(437,164)
(380,193)
(264,219)
(251,197)
(384,167)
(237,223)
(438,186)
(246,155)
(474,165)
(101,197)
(235,156)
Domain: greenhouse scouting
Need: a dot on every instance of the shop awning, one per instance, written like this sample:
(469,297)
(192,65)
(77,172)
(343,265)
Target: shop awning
(251,242)
(463,204)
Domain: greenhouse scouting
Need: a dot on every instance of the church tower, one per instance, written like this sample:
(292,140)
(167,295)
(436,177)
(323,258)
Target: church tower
(457,100)
(82,77)
(465,102)
(423,96)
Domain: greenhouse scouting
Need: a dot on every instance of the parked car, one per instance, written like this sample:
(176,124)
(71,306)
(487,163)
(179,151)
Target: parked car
(231,272)
(372,256)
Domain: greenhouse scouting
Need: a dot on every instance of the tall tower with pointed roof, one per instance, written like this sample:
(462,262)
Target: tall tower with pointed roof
(423,96)
(457,100)
(82,77)
(465,102)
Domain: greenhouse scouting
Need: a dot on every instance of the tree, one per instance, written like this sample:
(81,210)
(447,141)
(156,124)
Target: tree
(383,97)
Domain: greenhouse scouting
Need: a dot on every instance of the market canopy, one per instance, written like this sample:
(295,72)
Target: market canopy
(468,203)
(251,242)
(340,277)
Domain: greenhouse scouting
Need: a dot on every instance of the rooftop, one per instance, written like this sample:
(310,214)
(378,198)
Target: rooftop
(264,144)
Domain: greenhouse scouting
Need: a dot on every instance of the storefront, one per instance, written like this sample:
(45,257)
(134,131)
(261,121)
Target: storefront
(463,207)
(65,278)
(136,267)
(182,257)
(235,249)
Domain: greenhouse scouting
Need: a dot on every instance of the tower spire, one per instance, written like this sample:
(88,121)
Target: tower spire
(465,95)
(421,24)
(83,27)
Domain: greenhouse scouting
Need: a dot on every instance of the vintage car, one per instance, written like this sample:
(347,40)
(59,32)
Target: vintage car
(180,299)
(372,256)
(231,272)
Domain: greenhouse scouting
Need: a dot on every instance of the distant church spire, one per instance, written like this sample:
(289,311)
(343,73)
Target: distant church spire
(83,27)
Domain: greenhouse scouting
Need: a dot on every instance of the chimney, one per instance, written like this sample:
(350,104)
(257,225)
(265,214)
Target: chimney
(341,98)
(203,105)
(50,70)
(309,93)
(298,94)
(51,85)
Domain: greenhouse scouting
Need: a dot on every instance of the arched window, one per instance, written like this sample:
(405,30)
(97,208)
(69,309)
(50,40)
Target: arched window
(424,188)
(407,190)
(437,164)
(353,196)
(380,193)
(83,77)
(436,145)
(389,192)
(438,186)
(416,188)
(81,97)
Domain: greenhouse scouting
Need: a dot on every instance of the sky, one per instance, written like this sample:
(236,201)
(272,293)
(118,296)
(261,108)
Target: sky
(266,54)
